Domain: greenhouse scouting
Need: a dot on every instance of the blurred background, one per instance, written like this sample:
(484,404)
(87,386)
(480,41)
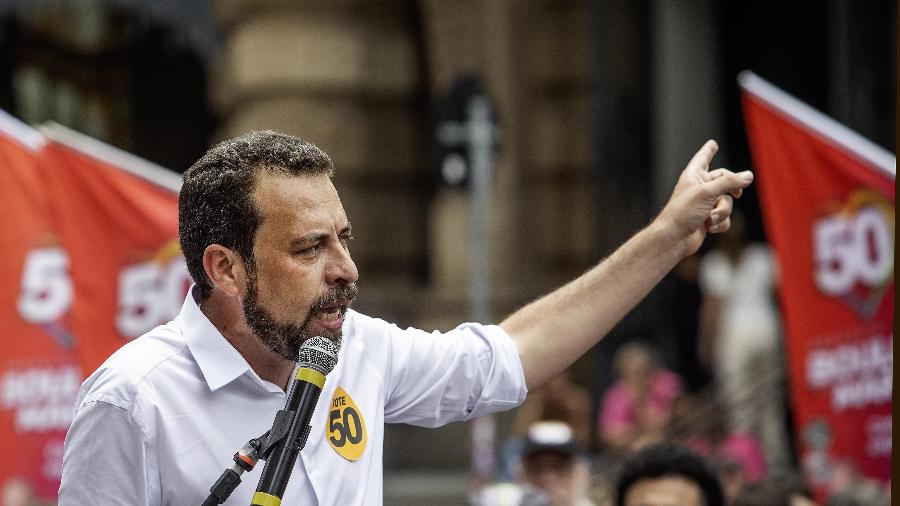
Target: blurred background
(597,104)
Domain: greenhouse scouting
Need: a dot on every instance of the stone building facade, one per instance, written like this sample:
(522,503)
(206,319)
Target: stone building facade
(359,79)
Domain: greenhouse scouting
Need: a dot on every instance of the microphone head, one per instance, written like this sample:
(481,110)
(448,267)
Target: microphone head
(319,353)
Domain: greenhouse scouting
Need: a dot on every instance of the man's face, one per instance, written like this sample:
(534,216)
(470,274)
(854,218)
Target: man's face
(302,278)
(664,491)
(555,474)
(637,370)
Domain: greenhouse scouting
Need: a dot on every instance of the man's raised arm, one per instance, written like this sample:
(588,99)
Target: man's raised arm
(556,329)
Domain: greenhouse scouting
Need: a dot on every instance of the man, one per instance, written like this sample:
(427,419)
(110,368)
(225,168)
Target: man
(665,474)
(553,463)
(266,239)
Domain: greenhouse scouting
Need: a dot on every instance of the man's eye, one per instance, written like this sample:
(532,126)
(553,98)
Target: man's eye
(310,250)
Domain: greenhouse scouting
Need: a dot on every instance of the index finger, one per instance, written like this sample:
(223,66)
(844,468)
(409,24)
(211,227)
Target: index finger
(728,183)
(703,157)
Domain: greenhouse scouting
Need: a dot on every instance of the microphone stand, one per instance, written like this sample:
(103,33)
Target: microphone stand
(281,445)
(245,459)
(289,434)
(274,442)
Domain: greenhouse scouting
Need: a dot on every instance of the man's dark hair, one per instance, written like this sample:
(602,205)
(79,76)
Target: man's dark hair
(666,460)
(216,203)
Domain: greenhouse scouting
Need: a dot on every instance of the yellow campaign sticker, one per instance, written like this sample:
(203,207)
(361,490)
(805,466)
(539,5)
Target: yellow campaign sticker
(346,429)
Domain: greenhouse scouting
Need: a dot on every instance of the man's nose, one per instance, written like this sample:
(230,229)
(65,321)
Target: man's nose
(341,268)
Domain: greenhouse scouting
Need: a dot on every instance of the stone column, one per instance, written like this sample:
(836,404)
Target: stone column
(347,78)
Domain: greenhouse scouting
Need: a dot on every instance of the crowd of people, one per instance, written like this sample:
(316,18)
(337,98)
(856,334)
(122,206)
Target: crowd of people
(656,445)
(659,437)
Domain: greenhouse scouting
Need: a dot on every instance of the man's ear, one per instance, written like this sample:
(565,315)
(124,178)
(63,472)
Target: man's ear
(225,268)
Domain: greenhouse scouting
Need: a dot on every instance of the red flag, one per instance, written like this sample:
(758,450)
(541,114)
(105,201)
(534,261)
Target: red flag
(90,246)
(118,217)
(827,198)
(39,376)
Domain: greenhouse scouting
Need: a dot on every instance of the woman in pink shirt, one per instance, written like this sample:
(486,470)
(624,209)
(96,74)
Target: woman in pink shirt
(637,408)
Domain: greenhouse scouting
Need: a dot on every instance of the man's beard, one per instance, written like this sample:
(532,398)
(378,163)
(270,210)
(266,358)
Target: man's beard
(285,339)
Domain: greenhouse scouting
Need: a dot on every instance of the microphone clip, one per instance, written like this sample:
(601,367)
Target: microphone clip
(280,428)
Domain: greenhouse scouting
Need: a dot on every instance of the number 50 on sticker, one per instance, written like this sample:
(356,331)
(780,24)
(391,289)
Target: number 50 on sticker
(346,429)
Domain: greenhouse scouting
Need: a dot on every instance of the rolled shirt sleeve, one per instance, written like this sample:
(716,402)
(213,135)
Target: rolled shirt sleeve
(437,378)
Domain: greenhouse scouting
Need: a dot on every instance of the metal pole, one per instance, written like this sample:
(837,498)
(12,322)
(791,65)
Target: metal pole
(481,154)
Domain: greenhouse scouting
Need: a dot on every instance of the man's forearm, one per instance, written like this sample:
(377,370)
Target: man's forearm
(556,329)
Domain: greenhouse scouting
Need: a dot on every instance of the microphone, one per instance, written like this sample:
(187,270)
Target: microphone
(318,356)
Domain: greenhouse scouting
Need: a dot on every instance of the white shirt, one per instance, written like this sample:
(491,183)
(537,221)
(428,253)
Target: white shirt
(159,421)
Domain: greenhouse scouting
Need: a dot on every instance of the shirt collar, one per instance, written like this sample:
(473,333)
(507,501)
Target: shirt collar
(219,362)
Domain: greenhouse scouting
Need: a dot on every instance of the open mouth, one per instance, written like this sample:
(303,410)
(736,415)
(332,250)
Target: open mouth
(332,315)
(329,311)
(332,312)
